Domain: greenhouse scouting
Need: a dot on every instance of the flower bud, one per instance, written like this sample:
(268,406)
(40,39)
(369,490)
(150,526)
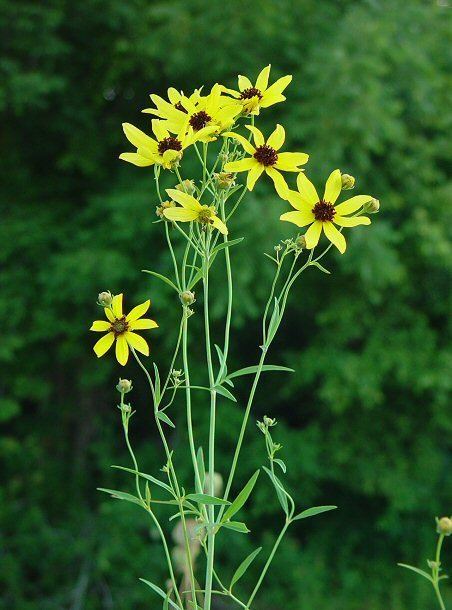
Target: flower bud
(186,186)
(372,206)
(444,526)
(187,297)
(269,421)
(300,242)
(126,408)
(224,180)
(348,182)
(124,386)
(105,298)
(164,206)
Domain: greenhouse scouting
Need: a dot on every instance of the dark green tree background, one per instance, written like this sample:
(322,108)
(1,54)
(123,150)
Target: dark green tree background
(365,419)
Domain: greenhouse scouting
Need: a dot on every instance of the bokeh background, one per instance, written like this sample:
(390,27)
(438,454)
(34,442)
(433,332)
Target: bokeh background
(364,421)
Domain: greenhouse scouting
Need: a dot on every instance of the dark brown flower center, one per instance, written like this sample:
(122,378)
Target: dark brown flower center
(199,120)
(266,155)
(169,143)
(249,93)
(179,106)
(324,211)
(119,326)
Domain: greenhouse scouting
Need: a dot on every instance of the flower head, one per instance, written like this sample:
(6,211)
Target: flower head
(260,95)
(120,328)
(265,156)
(192,209)
(321,213)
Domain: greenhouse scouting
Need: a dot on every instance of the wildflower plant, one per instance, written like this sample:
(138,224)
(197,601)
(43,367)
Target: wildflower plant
(199,212)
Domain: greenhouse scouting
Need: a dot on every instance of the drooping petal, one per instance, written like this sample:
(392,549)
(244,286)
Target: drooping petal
(244,82)
(137,342)
(103,345)
(279,182)
(307,189)
(122,350)
(253,175)
(289,161)
(137,137)
(257,135)
(100,326)
(333,186)
(352,204)
(301,219)
(335,236)
(243,141)
(262,79)
(180,214)
(136,159)
(116,305)
(219,224)
(354,221)
(242,165)
(298,201)
(187,201)
(143,324)
(276,139)
(273,93)
(138,311)
(109,314)
(312,235)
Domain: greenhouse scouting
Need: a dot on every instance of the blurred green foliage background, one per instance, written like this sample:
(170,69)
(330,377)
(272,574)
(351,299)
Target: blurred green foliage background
(364,421)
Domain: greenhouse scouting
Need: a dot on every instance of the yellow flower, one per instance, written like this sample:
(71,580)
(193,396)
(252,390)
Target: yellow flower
(254,97)
(193,210)
(265,157)
(121,327)
(322,213)
(166,150)
(213,111)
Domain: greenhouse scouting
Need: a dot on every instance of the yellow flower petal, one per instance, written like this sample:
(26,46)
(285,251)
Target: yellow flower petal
(312,235)
(335,236)
(307,189)
(109,314)
(289,161)
(136,159)
(244,82)
(254,173)
(354,221)
(273,93)
(262,79)
(352,204)
(279,182)
(257,135)
(116,305)
(248,147)
(298,201)
(100,326)
(301,219)
(103,345)
(158,127)
(137,342)
(333,186)
(122,350)
(180,214)
(143,324)
(137,137)
(276,139)
(187,201)
(242,165)
(138,311)
(219,224)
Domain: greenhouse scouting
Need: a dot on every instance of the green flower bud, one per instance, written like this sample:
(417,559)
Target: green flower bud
(348,182)
(444,526)
(187,297)
(300,242)
(126,408)
(124,386)
(224,180)
(372,206)
(164,206)
(186,186)
(269,421)
(105,298)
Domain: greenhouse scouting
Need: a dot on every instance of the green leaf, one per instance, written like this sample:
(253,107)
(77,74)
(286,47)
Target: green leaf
(157,384)
(121,495)
(417,570)
(224,392)
(241,498)
(206,499)
(164,417)
(226,244)
(166,602)
(160,592)
(315,510)
(221,359)
(280,491)
(249,370)
(148,477)
(236,526)
(163,278)
(243,567)
(274,321)
(319,266)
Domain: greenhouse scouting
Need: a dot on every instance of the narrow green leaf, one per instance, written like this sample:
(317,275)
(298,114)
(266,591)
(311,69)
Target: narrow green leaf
(221,359)
(281,464)
(160,592)
(226,244)
(206,499)
(164,417)
(121,495)
(163,278)
(417,570)
(148,477)
(319,266)
(236,526)
(157,384)
(241,498)
(249,370)
(274,321)
(243,567)
(311,512)
(280,491)
(224,392)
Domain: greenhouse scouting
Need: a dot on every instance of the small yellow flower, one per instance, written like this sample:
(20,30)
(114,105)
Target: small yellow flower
(322,213)
(166,150)
(265,157)
(213,111)
(254,97)
(121,327)
(193,210)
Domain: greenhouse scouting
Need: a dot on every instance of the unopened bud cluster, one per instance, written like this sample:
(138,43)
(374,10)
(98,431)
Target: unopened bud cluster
(187,297)
(186,186)
(105,298)
(372,206)
(444,526)
(164,206)
(124,386)
(348,182)
(224,180)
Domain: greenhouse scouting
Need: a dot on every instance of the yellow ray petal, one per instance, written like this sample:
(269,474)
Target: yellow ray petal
(100,326)
(158,127)
(180,214)
(219,224)
(244,82)
(262,79)
(298,201)
(335,236)
(312,235)
(254,173)
(333,186)
(354,221)
(289,161)
(116,305)
(273,93)
(143,324)
(109,314)
(352,204)
(301,219)
(138,311)
(243,141)
(136,159)
(242,165)
(276,139)
(122,350)
(257,135)
(137,137)
(307,189)
(137,342)
(186,200)
(173,95)
(279,182)
(103,345)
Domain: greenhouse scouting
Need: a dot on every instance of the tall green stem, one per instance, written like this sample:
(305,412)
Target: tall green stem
(436,572)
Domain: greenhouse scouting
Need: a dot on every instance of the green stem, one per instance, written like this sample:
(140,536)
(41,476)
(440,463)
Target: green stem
(435,572)
(227,328)
(173,256)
